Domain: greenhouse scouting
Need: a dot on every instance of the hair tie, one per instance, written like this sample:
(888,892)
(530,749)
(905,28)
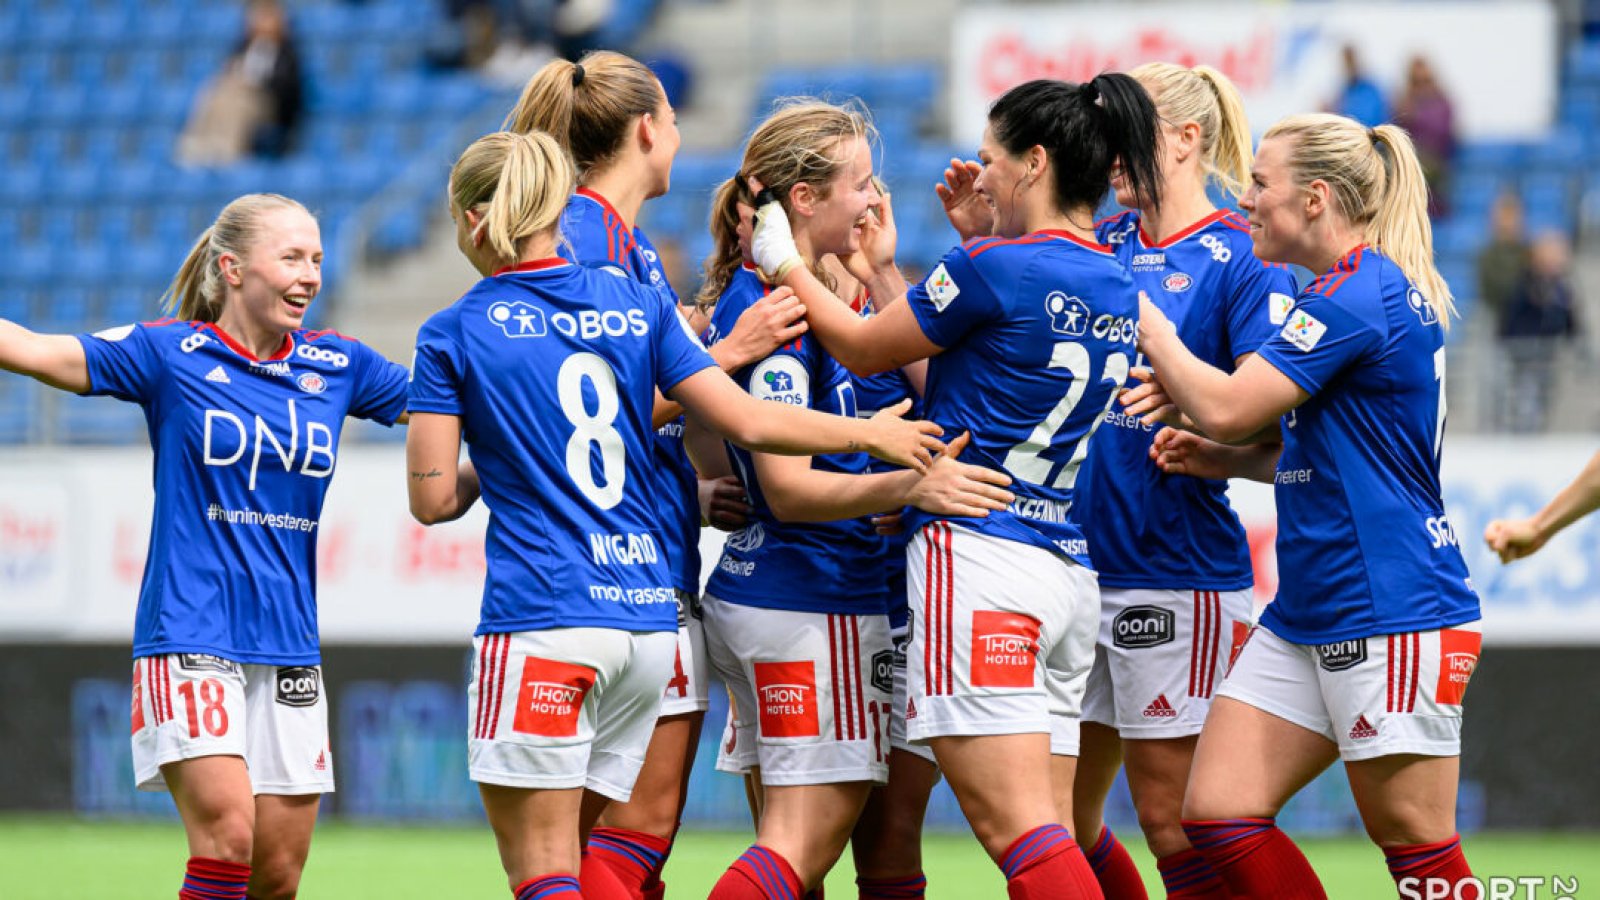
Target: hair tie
(577,74)
(1091,92)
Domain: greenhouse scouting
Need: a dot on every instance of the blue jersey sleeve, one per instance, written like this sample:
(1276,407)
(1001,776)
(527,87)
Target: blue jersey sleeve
(1258,305)
(437,371)
(953,301)
(679,352)
(380,393)
(123,362)
(1320,339)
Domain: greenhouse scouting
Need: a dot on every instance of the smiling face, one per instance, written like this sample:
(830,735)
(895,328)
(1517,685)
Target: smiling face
(1276,204)
(1001,184)
(834,225)
(280,273)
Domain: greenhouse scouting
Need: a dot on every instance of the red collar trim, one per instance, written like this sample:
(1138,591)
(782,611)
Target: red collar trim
(533,265)
(604,204)
(228,341)
(1144,236)
(1069,236)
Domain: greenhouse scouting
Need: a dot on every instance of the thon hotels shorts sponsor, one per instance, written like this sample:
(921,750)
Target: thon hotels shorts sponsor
(1161,657)
(189,705)
(1374,696)
(566,707)
(1004,637)
(803,686)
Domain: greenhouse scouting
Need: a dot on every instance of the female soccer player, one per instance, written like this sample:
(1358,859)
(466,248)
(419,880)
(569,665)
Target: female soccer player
(1028,345)
(795,613)
(1174,568)
(549,370)
(1513,539)
(611,114)
(1367,650)
(245,409)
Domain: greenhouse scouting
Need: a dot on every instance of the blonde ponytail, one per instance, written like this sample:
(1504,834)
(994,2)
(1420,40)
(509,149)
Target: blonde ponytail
(587,106)
(196,292)
(519,183)
(1206,97)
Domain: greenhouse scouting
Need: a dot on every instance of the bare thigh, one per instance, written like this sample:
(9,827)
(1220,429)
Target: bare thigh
(1248,763)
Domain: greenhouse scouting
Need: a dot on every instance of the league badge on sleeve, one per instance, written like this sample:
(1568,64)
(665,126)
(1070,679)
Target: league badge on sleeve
(1278,307)
(1304,331)
(941,289)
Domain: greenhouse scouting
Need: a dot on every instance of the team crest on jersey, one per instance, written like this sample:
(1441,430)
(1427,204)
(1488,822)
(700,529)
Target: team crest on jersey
(1304,331)
(941,288)
(1278,307)
(312,383)
(783,379)
(1419,305)
(1068,315)
(1177,282)
(518,319)
(748,538)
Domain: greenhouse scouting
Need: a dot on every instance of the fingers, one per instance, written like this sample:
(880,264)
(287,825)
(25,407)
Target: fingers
(1143,374)
(900,409)
(954,448)
(988,476)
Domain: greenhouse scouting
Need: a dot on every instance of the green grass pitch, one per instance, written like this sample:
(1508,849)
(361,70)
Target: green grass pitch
(59,858)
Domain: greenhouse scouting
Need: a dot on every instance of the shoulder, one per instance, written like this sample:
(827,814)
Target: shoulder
(1115,230)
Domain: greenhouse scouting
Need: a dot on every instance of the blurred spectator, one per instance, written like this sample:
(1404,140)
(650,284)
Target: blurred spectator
(253,106)
(510,40)
(1504,259)
(1425,111)
(1359,96)
(1540,321)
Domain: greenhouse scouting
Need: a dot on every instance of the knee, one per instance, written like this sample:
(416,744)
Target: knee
(895,847)
(1164,838)
(231,835)
(276,876)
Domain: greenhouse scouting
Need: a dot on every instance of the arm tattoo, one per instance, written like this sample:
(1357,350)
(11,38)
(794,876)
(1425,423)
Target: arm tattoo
(423,476)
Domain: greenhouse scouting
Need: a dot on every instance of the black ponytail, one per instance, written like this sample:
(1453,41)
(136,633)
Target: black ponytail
(1084,129)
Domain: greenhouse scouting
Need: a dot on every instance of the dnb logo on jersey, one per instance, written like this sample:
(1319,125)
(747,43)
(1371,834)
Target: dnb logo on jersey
(1068,315)
(1004,645)
(311,382)
(787,693)
(1177,282)
(1458,657)
(1304,331)
(551,697)
(518,319)
(941,289)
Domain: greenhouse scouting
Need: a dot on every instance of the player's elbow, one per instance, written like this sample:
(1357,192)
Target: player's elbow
(1232,425)
(429,510)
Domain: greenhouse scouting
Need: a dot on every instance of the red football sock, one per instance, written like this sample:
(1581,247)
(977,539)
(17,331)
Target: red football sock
(759,874)
(1254,859)
(636,857)
(1188,876)
(1442,861)
(904,887)
(555,886)
(599,882)
(1114,868)
(214,879)
(1046,864)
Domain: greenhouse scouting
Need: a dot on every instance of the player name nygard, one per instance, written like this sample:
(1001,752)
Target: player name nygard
(626,549)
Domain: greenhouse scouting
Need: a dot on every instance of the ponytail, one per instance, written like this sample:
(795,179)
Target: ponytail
(726,256)
(518,182)
(587,106)
(1206,97)
(196,292)
(1133,132)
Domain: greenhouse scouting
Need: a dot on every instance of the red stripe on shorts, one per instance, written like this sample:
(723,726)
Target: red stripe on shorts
(499,683)
(1416,664)
(949,667)
(483,688)
(1194,649)
(930,619)
(166,688)
(835,676)
(1213,643)
(860,695)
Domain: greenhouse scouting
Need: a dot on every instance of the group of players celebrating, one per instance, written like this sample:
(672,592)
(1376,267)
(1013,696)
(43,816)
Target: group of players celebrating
(1034,583)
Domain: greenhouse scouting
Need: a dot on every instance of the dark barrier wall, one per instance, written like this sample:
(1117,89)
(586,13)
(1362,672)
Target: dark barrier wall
(398,720)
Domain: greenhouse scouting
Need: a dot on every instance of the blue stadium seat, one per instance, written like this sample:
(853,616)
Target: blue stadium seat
(1562,150)
(19,410)
(99,420)
(1489,156)
(19,105)
(1583,63)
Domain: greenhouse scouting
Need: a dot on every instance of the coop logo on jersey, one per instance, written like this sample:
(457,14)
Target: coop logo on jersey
(1068,315)
(787,692)
(551,697)
(1341,655)
(941,289)
(782,379)
(114,334)
(1220,251)
(518,319)
(1177,282)
(298,686)
(311,382)
(1420,305)
(1303,331)
(1278,307)
(1138,627)
(1458,657)
(322,354)
(1004,645)
(748,538)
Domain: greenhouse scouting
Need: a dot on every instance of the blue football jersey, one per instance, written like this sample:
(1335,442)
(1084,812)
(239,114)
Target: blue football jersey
(244,449)
(824,567)
(1148,529)
(1364,547)
(553,370)
(597,237)
(1038,335)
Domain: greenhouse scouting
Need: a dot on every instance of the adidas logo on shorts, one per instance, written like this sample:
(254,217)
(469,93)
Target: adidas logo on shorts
(1159,708)
(321,764)
(1362,730)
(911,709)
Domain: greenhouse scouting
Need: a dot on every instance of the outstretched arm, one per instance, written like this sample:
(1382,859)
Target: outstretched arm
(55,359)
(1515,538)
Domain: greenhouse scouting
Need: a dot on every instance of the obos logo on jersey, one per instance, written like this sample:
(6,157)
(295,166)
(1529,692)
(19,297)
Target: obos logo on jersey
(1177,282)
(1068,315)
(787,692)
(518,320)
(783,379)
(1304,331)
(941,290)
(551,697)
(1004,645)
(1420,306)
(311,382)
(1458,657)
(1278,307)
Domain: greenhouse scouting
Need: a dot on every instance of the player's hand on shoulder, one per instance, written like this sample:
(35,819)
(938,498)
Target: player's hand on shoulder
(901,441)
(768,324)
(1512,539)
(954,488)
(968,212)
